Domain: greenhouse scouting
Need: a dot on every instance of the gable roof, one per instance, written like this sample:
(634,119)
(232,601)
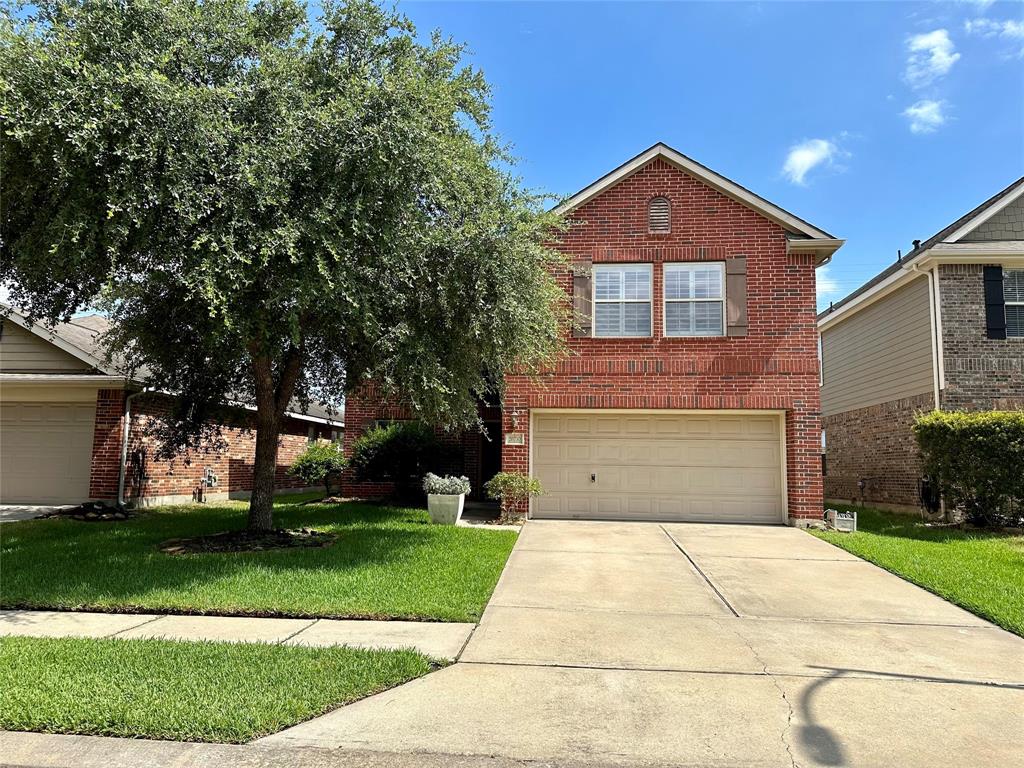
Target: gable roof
(945,241)
(79,337)
(788,221)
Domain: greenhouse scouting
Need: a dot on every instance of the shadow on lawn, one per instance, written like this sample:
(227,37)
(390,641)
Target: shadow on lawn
(71,564)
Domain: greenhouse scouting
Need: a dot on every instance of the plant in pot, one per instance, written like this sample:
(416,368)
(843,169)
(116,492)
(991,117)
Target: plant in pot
(515,490)
(446,497)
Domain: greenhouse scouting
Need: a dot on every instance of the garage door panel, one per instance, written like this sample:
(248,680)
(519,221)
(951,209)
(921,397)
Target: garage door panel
(45,452)
(706,467)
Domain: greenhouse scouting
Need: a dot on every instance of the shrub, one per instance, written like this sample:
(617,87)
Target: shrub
(449,485)
(514,489)
(977,461)
(399,453)
(317,463)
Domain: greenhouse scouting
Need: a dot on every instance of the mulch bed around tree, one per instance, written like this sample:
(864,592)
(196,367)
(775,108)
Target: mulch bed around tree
(92,512)
(248,541)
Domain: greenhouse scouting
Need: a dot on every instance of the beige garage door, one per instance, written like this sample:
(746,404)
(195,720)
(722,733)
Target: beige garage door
(711,467)
(45,452)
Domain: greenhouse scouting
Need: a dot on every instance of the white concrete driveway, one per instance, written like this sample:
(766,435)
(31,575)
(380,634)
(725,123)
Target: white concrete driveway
(709,645)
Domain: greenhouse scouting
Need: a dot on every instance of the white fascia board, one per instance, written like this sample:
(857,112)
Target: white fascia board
(985,215)
(70,379)
(995,249)
(706,175)
(51,337)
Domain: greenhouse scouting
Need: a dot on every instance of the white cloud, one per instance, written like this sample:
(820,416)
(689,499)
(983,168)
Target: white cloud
(826,284)
(806,155)
(932,55)
(926,116)
(1008,29)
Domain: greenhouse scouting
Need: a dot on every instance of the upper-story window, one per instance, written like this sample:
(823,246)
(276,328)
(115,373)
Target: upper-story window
(622,300)
(659,215)
(1013,298)
(695,299)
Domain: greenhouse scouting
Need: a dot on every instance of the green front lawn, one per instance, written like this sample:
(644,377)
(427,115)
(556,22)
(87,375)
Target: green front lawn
(188,691)
(386,563)
(982,572)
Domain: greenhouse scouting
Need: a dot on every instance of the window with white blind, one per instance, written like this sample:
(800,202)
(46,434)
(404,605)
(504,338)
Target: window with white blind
(622,299)
(1013,297)
(695,299)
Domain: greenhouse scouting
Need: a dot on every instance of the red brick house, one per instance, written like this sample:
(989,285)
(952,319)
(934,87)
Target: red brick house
(691,391)
(64,415)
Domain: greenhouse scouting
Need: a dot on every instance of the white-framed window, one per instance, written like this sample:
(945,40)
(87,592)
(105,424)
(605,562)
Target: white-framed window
(695,299)
(1013,302)
(622,299)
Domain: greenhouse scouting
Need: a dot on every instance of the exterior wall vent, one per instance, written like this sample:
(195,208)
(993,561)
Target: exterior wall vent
(659,215)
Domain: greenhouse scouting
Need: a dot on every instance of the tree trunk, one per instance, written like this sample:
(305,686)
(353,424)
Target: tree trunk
(272,398)
(261,504)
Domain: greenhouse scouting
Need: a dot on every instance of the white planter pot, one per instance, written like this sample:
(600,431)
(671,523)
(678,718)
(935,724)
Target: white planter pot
(445,509)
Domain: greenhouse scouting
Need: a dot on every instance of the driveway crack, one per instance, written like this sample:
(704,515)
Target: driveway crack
(778,686)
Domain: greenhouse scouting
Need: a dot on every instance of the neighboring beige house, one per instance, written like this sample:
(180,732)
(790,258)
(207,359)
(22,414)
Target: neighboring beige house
(64,414)
(941,328)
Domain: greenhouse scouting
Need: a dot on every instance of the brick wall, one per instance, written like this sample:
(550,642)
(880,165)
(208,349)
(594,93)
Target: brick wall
(106,444)
(774,367)
(365,408)
(980,373)
(875,444)
(148,476)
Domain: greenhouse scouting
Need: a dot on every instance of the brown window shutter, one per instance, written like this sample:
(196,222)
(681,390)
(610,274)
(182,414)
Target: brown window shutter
(736,296)
(582,303)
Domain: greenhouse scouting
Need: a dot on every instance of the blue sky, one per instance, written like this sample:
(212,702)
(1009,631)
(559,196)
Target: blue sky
(880,122)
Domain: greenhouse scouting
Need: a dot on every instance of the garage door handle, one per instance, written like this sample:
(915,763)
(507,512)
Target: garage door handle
(593,477)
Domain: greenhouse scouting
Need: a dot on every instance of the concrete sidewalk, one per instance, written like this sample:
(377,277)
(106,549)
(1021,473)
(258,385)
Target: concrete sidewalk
(43,750)
(434,639)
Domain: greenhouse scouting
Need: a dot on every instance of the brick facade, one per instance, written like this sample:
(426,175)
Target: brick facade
(365,409)
(179,478)
(980,373)
(876,445)
(774,367)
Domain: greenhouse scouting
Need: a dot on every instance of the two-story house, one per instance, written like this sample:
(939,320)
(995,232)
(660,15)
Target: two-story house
(943,328)
(691,389)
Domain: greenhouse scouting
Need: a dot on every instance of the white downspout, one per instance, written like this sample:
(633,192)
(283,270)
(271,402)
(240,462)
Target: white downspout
(934,332)
(125,432)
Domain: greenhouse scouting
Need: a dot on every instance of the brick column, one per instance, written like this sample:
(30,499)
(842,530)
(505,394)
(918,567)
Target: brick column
(106,444)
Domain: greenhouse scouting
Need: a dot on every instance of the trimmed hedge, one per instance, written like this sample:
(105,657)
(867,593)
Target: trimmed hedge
(977,461)
(400,453)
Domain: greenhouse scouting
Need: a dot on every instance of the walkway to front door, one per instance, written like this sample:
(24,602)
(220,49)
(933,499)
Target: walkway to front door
(642,643)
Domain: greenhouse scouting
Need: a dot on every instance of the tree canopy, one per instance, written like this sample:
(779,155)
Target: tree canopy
(269,206)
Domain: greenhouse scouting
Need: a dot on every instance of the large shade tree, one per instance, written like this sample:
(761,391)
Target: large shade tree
(270,207)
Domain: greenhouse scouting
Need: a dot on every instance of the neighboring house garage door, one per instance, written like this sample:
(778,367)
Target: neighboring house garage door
(712,467)
(45,452)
